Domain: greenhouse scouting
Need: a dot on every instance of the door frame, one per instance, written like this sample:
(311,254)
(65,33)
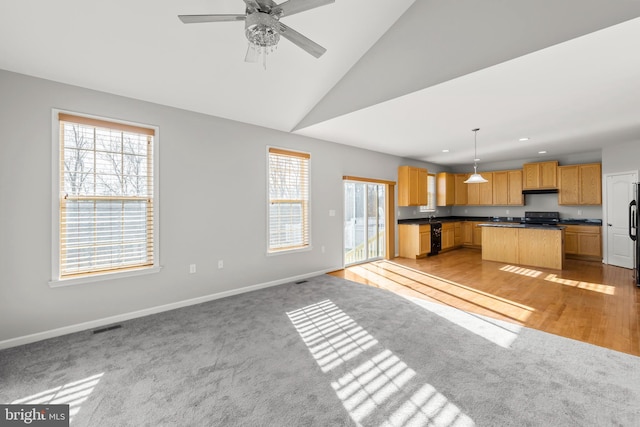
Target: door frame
(390,229)
(605,210)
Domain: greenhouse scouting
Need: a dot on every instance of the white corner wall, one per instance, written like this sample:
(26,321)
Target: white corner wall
(212,202)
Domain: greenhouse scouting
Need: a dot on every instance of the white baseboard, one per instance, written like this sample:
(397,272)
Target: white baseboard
(39,336)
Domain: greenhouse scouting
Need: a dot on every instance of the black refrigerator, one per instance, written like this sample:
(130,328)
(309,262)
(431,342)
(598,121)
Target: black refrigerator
(633,232)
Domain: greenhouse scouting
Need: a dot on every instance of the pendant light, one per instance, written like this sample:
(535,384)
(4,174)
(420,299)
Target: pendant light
(475,178)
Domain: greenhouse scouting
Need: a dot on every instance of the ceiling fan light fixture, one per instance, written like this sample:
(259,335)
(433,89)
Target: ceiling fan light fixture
(475,178)
(262,36)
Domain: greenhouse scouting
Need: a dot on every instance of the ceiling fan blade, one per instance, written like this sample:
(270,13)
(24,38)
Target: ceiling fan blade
(252,5)
(291,7)
(299,40)
(267,5)
(195,19)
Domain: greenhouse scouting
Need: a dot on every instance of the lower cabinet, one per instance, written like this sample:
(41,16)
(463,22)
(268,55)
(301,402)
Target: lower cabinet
(583,242)
(414,240)
(472,233)
(448,239)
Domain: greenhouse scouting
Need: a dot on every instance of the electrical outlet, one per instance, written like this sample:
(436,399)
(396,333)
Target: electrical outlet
(579,211)
(220,263)
(192,268)
(322,249)
(507,212)
(332,212)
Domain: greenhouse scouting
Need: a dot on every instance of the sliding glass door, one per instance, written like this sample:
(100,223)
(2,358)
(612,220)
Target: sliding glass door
(364,221)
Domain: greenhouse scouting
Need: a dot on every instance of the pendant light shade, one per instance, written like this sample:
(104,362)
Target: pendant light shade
(475,178)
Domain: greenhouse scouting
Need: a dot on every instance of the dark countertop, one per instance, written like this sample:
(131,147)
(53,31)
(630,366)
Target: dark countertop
(494,219)
(529,226)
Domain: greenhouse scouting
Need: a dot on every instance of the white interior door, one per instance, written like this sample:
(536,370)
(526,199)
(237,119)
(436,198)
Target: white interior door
(619,194)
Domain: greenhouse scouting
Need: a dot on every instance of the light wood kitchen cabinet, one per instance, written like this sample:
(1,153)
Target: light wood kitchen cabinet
(414,240)
(446,189)
(501,188)
(580,184)
(467,233)
(536,247)
(583,241)
(460,188)
(515,188)
(471,233)
(507,188)
(481,194)
(412,186)
(477,234)
(448,240)
(457,234)
(540,175)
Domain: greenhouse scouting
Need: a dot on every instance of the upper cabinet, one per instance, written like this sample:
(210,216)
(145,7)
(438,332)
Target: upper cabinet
(503,189)
(461,188)
(481,194)
(580,184)
(540,175)
(445,189)
(507,188)
(412,186)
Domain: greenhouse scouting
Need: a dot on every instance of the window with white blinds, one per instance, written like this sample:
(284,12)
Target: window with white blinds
(106,198)
(288,208)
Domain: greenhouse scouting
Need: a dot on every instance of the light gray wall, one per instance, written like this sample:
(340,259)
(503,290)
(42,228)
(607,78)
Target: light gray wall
(622,157)
(212,201)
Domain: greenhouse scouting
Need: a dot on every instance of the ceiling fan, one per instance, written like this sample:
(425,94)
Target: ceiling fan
(263,27)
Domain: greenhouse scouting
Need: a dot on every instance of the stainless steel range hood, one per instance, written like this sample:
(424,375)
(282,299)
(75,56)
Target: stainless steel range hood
(541,191)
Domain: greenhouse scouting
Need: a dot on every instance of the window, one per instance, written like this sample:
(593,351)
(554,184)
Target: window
(431,194)
(288,226)
(106,216)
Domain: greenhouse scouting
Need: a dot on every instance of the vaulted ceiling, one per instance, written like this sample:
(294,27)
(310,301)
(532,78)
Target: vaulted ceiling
(405,77)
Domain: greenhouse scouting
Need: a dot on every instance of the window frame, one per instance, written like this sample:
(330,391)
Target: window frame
(56,280)
(431,195)
(290,249)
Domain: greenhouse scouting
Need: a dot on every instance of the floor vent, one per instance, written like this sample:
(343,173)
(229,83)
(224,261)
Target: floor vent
(301,282)
(108,328)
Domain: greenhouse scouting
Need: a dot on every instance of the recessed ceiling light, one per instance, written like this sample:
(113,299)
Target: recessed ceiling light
(445,151)
(523,139)
(542,152)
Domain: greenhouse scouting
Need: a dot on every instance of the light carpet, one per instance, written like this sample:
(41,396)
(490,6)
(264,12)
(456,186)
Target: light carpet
(327,352)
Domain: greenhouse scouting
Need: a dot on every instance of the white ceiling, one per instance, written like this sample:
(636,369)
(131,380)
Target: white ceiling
(565,74)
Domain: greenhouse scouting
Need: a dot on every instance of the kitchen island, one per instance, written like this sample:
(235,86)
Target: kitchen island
(530,245)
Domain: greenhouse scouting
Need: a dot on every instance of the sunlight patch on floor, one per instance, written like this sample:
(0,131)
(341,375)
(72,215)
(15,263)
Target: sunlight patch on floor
(411,282)
(380,386)
(72,394)
(596,287)
(521,271)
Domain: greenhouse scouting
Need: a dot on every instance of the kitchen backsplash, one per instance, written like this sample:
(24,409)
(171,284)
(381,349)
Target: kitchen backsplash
(534,202)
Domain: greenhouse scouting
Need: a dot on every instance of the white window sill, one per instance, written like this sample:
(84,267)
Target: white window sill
(104,276)
(289,251)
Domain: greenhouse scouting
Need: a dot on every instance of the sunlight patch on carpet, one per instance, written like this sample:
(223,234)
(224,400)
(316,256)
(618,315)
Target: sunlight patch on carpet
(495,331)
(72,394)
(381,386)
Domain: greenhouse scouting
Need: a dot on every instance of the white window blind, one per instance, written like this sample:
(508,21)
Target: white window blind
(106,196)
(288,200)
(431,194)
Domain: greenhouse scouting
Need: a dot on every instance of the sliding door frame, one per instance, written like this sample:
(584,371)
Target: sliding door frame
(390,200)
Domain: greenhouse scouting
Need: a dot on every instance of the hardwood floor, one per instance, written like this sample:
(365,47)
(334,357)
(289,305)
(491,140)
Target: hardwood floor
(587,301)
